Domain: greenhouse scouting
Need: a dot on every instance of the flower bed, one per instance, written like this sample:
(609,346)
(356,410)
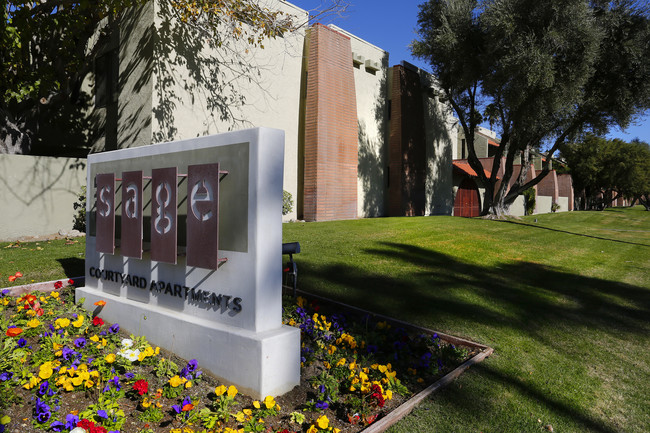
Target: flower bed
(63,370)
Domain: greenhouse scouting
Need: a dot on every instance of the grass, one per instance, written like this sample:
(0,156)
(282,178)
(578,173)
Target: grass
(41,261)
(564,300)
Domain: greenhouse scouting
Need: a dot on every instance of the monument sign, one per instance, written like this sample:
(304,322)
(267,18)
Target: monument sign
(184,244)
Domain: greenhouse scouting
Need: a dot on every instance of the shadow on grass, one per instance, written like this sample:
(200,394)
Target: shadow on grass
(73,267)
(524,297)
(573,233)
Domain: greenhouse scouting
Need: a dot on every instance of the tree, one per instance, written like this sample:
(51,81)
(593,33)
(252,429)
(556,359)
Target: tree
(605,170)
(48,48)
(543,71)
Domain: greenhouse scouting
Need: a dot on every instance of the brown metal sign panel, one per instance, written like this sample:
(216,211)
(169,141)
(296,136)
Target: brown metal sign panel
(164,214)
(131,239)
(105,213)
(203,215)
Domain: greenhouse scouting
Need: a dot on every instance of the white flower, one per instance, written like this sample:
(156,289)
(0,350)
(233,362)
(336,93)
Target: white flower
(130,354)
(78,430)
(127,342)
(133,355)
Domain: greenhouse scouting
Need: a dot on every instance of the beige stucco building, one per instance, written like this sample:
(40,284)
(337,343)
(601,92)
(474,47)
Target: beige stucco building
(362,139)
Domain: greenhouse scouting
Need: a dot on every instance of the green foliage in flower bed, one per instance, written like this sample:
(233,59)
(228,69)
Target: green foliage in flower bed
(62,369)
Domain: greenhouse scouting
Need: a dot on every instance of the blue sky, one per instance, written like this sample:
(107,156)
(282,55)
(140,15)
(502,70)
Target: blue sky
(391,25)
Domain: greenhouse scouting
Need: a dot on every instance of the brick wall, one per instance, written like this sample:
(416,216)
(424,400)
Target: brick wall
(331,135)
(565,187)
(548,186)
(406,145)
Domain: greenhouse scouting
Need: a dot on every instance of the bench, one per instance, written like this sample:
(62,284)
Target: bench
(290,270)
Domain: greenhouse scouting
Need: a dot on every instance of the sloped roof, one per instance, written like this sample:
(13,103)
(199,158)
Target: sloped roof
(467,169)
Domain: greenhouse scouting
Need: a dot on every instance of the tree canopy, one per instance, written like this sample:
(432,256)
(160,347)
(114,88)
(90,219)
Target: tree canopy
(543,72)
(604,170)
(48,48)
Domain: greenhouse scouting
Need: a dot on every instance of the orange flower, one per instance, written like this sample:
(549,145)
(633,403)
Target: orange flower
(187,407)
(12,332)
(19,274)
(12,278)
(100,303)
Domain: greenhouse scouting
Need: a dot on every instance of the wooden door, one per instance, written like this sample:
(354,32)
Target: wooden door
(467,202)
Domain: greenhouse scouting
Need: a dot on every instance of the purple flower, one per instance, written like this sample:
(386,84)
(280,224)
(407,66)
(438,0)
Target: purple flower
(57,426)
(71,421)
(43,388)
(68,354)
(6,376)
(41,411)
(22,342)
(114,329)
(322,405)
(5,292)
(321,389)
(129,375)
(102,414)
(114,381)
(80,342)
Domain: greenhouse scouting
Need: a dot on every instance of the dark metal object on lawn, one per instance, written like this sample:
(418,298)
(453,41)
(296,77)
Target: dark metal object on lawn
(291,269)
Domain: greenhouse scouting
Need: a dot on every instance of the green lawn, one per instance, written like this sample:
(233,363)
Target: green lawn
(564,301)
(41,261)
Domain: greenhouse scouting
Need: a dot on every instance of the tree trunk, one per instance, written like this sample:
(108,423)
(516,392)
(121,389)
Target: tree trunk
(15,138)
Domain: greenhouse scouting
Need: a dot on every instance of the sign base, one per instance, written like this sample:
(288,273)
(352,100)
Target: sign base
(257,363)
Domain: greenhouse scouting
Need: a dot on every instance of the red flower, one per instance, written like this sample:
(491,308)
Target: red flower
(71,282)
(12,278)
(141,386)
(97,429)
(58,284)
(39,311)
(86,424)
(19,274)
(98,321)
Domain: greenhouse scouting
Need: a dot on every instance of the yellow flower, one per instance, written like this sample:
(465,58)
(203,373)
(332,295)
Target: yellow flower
(248,412)
(232,391)
(352,389)
(388,395)
(33,381)
(110,358)
(33,323)
(220,390)
(312,429)
(54,295)
(94,338)
(89,383)
(145,403)
(76,381)
(188,384)
(30,313)
(61,323)
(322,422)
(240,417)
(176,381)
(269,402)
(382,368)
(45,372)
(301,301)
(336,430)
(341,362)
(80,321)
(256,404)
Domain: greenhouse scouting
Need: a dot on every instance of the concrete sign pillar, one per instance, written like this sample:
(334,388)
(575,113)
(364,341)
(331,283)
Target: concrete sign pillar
(206,215)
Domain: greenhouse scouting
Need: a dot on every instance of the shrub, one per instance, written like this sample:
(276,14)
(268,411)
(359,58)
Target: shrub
(287,202)
(529,200)
(79,221)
